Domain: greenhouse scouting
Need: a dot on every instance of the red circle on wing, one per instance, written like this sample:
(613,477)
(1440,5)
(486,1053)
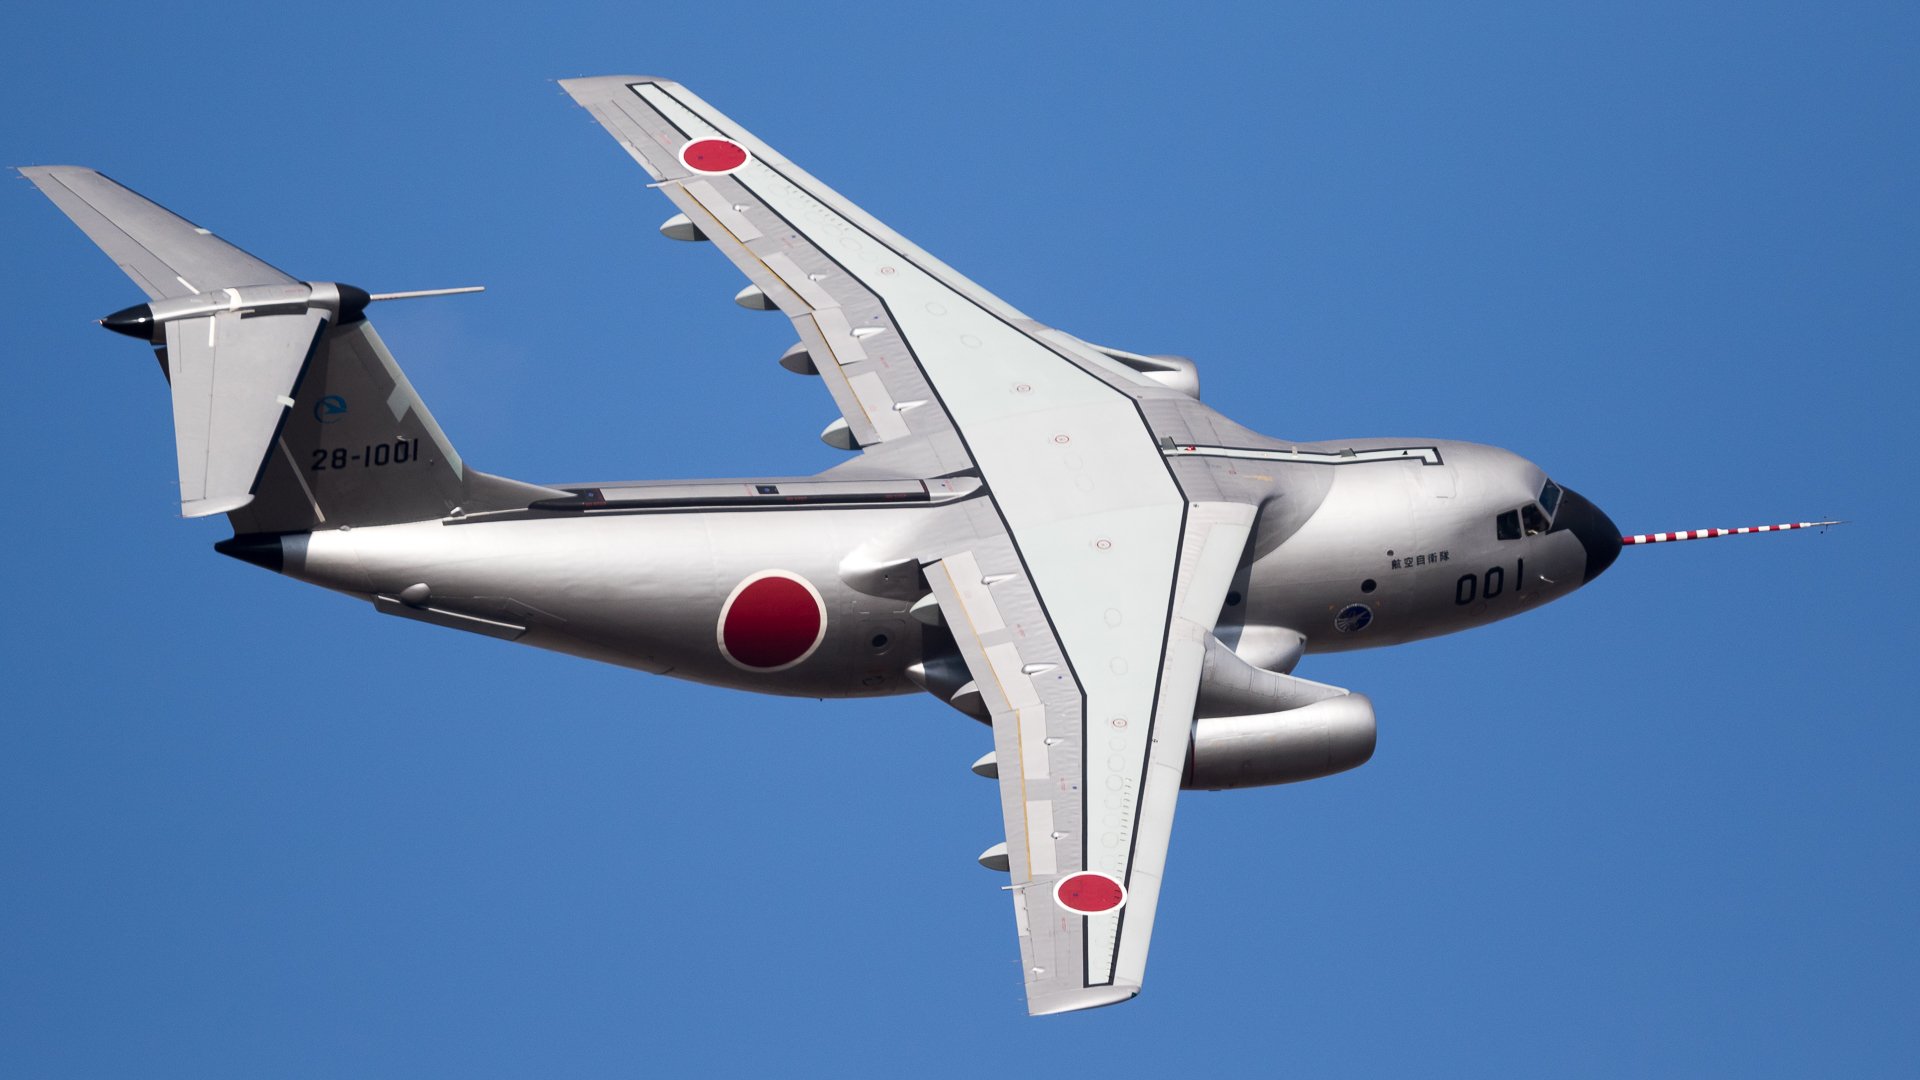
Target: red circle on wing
(713,155)
(1090,894)
(771,623)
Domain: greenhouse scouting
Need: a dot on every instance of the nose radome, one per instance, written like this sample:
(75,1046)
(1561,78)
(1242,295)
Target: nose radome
(1595,531)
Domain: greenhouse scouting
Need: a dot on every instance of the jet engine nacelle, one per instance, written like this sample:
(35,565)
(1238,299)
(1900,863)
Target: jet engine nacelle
(1258,750)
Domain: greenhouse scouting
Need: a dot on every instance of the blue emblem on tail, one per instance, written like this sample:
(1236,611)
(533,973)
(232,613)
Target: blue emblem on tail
(330,408)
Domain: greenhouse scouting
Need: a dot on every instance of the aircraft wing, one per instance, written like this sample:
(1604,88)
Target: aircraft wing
(1090,678)
(1080,590)
(881,322)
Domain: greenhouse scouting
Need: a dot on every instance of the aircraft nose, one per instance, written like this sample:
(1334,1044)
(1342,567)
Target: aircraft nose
(1595,531)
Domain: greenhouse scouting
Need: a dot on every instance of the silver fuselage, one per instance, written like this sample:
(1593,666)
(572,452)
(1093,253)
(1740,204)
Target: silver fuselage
(1346,556)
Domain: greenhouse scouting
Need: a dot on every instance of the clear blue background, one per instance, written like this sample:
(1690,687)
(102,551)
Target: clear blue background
(1666,827)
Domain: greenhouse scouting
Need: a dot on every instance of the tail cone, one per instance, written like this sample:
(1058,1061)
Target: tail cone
(263,550)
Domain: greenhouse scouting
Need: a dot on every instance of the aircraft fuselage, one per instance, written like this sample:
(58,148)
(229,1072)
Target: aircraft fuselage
(671,578)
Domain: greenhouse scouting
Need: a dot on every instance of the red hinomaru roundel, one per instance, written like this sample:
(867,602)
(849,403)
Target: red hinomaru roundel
(772,620)
(714,156)
(1089,892)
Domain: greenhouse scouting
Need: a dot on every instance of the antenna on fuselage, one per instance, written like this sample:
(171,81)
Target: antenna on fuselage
(1710,534)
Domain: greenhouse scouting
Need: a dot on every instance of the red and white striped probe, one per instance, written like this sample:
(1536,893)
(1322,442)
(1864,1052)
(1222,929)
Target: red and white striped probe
(1709,534)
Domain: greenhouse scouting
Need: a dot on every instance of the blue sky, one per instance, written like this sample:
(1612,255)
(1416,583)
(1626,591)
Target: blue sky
(1665,827)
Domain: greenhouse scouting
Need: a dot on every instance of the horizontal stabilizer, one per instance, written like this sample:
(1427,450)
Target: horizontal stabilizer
(233,378)
(164,253)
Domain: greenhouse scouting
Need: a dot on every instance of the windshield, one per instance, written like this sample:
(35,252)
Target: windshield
(1550,498)
(1535,521)
(1507,525)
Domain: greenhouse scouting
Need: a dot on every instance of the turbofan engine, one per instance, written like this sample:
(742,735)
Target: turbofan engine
(1256,727)
(1312,741)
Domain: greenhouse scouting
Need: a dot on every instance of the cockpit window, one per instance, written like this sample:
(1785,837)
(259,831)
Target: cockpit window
(1550,498)
(1533,519)
(1507,525)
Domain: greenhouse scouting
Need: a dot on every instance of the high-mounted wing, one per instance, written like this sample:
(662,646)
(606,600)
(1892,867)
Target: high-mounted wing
(1079,591)
(884,324)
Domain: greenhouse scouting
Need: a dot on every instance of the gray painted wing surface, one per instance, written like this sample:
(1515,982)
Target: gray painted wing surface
(801,253)
(882,321)
(1069,592)
(1090,751)
(165,254)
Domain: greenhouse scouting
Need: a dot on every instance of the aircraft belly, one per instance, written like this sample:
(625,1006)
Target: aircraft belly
(648,591)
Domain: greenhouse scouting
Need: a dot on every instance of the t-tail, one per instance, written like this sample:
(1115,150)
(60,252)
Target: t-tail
(289,413)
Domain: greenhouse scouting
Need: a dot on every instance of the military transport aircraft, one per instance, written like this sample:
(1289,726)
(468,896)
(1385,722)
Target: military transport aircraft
(1054,537)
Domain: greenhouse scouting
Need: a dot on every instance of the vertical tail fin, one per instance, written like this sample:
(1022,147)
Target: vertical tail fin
(360,448)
